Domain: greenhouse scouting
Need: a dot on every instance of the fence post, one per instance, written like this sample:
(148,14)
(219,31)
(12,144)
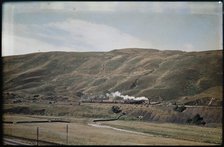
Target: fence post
(37,135)
(67,134)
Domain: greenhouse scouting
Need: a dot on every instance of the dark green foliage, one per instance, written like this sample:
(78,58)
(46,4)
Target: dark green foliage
(36,95)
(197,120)
(116,109)
(79,94)
(179,108)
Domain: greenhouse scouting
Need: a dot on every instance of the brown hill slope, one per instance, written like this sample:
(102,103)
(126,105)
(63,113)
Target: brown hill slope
(164,75)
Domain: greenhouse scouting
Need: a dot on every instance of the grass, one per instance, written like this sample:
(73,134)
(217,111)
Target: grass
(185,132)
(81,114)
(95,110)
(80,133)
(79,70)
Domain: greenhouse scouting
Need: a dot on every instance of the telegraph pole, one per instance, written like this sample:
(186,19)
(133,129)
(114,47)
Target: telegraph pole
(37,135)
(67,134)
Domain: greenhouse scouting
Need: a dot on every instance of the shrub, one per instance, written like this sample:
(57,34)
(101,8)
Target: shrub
(116,109)
(197,120)
(79,94)
(179,109)
(36,95)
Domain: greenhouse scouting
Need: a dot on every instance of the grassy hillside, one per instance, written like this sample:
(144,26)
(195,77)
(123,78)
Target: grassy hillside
(164,75)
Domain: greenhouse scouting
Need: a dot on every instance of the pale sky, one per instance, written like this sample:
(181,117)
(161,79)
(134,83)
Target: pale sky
(30,27)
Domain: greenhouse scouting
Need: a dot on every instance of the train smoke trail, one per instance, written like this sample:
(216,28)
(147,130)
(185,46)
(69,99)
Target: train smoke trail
(126,97)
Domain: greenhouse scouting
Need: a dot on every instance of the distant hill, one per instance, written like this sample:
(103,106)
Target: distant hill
(159,75)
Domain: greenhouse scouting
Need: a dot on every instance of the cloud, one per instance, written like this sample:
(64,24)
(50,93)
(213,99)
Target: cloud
(99,36)
(17,45)
(70,35)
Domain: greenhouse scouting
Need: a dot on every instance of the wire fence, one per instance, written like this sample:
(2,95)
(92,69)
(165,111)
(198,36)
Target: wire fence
(39,134)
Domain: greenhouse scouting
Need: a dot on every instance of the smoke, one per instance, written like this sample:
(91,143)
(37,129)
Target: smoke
(126,97)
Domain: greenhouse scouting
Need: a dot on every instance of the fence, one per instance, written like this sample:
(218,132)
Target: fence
(39,134)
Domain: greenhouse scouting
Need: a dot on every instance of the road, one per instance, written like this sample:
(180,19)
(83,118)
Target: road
(117,129)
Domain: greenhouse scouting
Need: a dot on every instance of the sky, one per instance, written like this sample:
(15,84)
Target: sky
(30,27)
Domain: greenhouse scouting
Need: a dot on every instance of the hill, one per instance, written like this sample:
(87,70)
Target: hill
(169,76)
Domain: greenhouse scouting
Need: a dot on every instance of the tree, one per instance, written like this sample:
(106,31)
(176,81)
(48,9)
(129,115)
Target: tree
(197,120)
(79,94)
(179,108)
(116,109)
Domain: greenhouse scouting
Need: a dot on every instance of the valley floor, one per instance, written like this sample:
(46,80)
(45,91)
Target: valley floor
(82,131)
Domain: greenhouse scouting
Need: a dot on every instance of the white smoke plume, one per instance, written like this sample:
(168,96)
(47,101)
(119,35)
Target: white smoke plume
(126,97)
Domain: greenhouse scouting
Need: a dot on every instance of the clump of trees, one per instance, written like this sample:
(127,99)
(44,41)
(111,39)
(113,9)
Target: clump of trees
(197,120)
(116,109)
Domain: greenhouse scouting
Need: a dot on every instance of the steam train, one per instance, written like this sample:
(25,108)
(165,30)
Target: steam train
(128,101)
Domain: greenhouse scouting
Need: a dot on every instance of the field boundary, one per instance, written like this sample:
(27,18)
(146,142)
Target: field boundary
(37,121)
